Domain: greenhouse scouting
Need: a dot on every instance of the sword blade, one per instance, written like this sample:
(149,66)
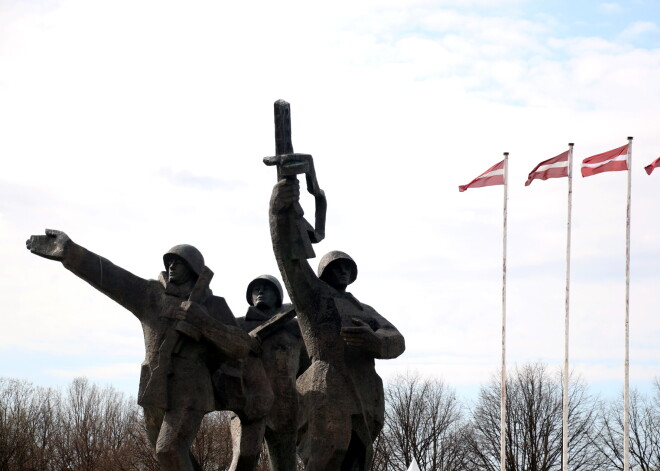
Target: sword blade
(283,143)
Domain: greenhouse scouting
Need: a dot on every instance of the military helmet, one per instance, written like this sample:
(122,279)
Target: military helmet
(334,256)
(188,254)
(270,279)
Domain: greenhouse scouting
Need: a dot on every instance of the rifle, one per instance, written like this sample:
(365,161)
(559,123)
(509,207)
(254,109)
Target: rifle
(273,324)
(156,392)
(197,296)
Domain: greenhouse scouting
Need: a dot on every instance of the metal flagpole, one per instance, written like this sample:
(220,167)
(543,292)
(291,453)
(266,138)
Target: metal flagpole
(503,367)
(626,381)
(566,318)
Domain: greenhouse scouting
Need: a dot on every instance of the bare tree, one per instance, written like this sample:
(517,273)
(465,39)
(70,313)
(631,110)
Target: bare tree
(27,425)
(88,428)
(423,420)
(16,413)
(381,461)
(45,427)
(533,424)
(212,446)
(138,451)
(644,422)
(96,428)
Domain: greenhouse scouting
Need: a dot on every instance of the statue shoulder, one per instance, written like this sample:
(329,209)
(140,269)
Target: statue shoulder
(292,327)
(369,315)
(219,309)
(243,323)
(368,309)
(155,288)
(285,307)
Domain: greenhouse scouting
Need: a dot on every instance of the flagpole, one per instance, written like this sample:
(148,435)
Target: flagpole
(503,366)
(626,382)
(567,304)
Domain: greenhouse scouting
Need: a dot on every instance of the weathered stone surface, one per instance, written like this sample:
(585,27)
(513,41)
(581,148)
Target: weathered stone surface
(283,357)
(342,402)
(188,334)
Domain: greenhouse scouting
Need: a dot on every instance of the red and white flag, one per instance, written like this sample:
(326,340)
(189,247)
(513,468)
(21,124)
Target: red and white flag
(655,164)
(492,176)
(610,161)
(555,167)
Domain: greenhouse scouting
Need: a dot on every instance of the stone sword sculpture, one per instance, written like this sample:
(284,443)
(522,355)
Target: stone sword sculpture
(290,165)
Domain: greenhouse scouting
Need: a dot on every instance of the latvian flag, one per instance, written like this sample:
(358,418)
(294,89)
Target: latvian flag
(649,168)
(555,167)
(610,161)
(492,176)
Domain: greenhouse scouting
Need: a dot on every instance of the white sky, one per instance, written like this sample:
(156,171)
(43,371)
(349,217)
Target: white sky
(136,125)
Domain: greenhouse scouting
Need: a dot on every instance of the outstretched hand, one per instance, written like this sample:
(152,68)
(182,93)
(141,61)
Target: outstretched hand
(51,246)
(285,193)
(361,336)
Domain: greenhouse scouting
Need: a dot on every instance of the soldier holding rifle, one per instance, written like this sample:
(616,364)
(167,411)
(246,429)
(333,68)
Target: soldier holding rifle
(188,333)
(283,357)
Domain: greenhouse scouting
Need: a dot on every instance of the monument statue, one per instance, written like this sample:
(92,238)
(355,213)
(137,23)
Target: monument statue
(342,403)
(188,334)
(283,356)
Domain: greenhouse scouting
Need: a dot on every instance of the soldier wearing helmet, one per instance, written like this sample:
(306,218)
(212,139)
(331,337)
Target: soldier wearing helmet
(185,338)
(342,399)
(283,356)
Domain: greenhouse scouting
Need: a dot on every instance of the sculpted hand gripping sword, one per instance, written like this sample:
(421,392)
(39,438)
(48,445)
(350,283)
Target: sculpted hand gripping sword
(289,165)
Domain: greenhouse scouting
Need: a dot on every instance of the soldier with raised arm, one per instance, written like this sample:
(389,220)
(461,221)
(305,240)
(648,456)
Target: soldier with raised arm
(342,403)
(188,334)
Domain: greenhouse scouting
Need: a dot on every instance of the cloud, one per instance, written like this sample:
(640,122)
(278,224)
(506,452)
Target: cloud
(610,7)
(135,132)
(188,179)
(639,29)
(114,372)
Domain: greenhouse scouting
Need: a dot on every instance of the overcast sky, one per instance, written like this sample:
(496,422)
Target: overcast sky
(136,125)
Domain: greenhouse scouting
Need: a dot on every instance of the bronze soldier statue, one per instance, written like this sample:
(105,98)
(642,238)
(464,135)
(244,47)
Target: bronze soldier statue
(283,357)
(342,399)
(188,334)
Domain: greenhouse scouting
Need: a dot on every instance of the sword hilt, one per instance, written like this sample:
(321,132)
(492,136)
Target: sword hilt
(290,165)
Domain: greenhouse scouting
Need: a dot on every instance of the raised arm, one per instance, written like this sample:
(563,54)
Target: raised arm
(118,284)
(285,222)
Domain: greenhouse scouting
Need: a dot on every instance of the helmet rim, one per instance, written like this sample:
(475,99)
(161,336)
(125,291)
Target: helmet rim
(335,256)
(269,279)
(189,254)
